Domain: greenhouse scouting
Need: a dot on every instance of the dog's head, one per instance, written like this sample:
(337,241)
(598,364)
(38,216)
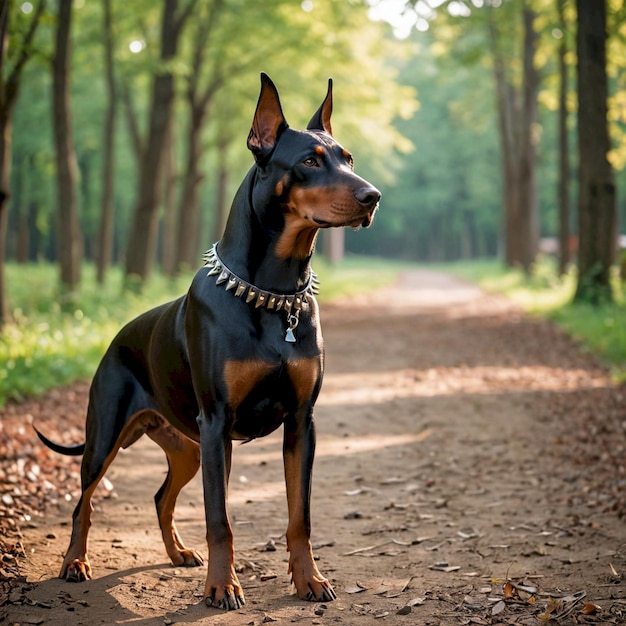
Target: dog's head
(306,175)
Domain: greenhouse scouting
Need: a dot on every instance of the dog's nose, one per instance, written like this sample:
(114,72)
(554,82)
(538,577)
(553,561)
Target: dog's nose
(367,196)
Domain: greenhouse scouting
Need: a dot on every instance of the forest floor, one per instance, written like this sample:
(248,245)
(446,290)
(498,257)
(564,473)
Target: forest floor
(469,470)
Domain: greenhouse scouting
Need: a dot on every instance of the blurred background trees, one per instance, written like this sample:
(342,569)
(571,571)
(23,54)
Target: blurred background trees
(464,112)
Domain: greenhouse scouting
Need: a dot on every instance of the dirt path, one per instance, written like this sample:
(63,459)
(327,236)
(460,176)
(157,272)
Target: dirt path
(461,445)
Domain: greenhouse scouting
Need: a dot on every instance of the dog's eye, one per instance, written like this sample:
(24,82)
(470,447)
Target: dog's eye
(311,162)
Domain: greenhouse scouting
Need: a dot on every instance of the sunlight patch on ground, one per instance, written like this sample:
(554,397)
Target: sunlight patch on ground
(335,446)
(379,387)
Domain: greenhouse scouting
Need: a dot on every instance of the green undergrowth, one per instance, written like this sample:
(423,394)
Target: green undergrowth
(600,329)
(56,339)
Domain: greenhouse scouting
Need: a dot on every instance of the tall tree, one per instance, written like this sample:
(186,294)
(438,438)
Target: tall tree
(198,99)
(70,240)
(143,235)
(9,89)
(597,212)
(105,235)
(517,111)
(563,183)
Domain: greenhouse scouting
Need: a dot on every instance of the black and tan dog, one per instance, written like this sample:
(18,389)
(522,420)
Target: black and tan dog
(236,357)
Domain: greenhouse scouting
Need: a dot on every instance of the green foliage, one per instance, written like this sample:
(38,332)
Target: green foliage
(48,345)
(441,201)
(53,342)
(300,46)
(601,329)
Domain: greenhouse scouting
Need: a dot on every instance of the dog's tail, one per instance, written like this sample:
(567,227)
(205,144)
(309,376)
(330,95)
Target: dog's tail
(76,450)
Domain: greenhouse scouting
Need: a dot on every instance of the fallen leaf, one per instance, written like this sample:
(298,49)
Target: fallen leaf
(357,588)
(498,608)
(445,568)
(590,608)
(508,590)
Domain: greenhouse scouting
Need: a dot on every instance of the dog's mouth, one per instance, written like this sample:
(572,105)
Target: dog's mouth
(362,221)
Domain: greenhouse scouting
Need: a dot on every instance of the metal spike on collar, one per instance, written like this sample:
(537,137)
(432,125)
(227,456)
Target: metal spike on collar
(290,303)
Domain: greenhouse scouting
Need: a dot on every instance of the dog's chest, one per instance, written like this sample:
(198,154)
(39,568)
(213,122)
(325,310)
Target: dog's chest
(262,394)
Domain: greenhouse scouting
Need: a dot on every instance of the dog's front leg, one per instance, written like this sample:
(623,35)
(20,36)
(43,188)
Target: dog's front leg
(298,453)
(222,588)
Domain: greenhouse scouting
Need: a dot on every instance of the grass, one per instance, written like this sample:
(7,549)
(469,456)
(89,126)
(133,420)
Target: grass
(602,329)
(55,340)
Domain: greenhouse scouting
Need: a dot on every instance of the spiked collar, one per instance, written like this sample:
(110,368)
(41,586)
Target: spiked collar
(291,303)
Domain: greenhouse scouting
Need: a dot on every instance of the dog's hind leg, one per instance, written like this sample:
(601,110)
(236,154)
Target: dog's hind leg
(96,460)
(183,459)
(76,567)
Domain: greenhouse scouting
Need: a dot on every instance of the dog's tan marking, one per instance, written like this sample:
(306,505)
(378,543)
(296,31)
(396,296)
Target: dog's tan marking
(280,186)
(304,374)
(300,230)
(242,376)
(319,150)
(297,239)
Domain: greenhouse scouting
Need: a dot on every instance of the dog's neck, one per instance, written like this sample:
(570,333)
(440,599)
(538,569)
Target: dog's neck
(249,248)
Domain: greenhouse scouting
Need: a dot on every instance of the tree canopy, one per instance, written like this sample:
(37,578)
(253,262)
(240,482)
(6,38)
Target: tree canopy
(450,106)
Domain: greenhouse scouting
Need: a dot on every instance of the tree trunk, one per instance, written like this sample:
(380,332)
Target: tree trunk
(199,101)
(597,213)
(333,244)
(563,184)
(517,142)
(143,235)
(70,244)
(21,243)
(189,213)
(9,89)
(528,200)
(105,236)
(221,213)
(5,169)
(168,260)
(506,107)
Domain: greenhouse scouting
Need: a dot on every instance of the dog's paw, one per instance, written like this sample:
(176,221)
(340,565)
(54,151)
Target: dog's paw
(227,598)
(187,558)
(318,591)
(76,571)
(310,584)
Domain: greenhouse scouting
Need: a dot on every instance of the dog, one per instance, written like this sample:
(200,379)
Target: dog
(236,357)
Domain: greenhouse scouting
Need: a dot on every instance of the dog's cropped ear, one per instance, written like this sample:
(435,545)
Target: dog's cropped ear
(269,121)
(321,119)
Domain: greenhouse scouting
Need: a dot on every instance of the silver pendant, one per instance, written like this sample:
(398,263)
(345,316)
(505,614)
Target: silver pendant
(292,323)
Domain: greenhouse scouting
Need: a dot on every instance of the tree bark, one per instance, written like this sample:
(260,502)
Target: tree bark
(70,244)
(105,236)
(517,116)
(528,201)
(563,184)
(143,235)
(168,259)
(597,212)
(189,210)
(506,107)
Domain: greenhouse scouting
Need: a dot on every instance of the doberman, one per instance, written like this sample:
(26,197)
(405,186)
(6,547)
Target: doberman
(236,357)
